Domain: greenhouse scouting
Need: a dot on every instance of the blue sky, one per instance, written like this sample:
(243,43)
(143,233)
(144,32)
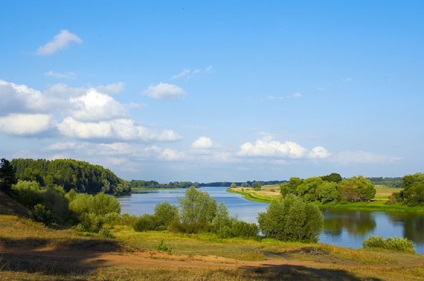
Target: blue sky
(215,91)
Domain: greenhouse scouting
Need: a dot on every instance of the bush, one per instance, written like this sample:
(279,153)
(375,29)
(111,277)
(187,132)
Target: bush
(291,219)
(244,229)
(163,247)
(41,214)
(144,223)
(391,243)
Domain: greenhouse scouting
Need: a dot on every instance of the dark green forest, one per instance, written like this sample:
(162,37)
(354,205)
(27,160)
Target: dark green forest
(80,176)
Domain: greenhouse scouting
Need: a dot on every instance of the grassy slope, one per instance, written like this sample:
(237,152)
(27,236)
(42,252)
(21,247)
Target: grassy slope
(30,251)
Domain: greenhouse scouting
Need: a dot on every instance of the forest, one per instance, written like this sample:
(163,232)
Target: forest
(70,174)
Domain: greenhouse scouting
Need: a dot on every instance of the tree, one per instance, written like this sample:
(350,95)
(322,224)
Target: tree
(291,219)
(164,214)
(328,192)
(307,189)
(413,189)
(333,177)
(356,189)
(197,211)
(222,221)
(290,186)
(233,185)
(256,185)
(7,176)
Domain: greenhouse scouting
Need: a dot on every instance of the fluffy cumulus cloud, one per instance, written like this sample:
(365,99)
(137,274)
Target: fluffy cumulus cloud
(60,41)
(79,113)
(202,143)
(94,106)
(164,91)
(16,98)
(266,147)
(122,129)
(25,124)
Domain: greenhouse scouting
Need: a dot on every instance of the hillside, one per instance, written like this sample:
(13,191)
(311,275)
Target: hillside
(8,206)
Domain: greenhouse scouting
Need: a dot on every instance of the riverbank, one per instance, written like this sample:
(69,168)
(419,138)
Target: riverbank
(380,203)
(30,251)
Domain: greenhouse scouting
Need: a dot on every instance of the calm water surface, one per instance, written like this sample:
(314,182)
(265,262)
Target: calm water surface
(344,228)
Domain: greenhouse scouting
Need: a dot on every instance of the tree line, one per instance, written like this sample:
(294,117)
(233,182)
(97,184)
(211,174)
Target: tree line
(80,176)
(330,189)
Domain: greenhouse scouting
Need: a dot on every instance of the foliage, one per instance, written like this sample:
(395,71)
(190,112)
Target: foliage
(41,214)
(92,212)
(164,214)
(333,177)
(138,184)
(327,192)
(233,185)
(53,200)
(70,174)
(391,243)
(244,229)
(331,188)
(145,222)
(291,219)
(413,190)
(197,211)
(390,182)
(163,247)
(357,189)
(7,176)
(256,185)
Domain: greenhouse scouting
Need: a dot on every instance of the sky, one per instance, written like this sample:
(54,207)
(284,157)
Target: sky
(215,90)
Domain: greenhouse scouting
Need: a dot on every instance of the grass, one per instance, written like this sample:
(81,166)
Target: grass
(30,251)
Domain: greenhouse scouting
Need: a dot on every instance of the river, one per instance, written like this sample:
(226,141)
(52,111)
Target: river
(345,228)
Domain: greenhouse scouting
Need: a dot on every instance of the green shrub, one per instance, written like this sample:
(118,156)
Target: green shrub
(144,223)
(41,214)
(291,219)
(391,243)
(105,232)
(163,247)
(244,229)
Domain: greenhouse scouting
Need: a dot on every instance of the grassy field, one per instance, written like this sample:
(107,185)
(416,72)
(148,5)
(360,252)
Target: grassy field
(30,251)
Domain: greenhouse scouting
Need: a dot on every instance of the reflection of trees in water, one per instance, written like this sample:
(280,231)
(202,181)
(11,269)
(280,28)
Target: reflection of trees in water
(413,225)
(355,222)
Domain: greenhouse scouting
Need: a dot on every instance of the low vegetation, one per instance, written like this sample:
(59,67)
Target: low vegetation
(391,243)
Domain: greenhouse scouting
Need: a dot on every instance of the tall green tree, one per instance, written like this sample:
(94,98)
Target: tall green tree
(7,176)
(413,189)
(197,211)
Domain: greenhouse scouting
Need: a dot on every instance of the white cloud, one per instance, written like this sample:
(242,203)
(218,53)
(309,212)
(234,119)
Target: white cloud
(121,129)
(16,98)
(164,91)
(25,124)
(362,157)
(318,152)
(60,41)
(95,106)
(188,73)
(61,75)
(171,154)
(113,88)
(202,143)
(266,147)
